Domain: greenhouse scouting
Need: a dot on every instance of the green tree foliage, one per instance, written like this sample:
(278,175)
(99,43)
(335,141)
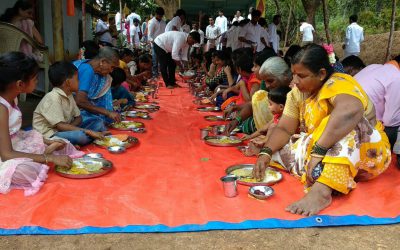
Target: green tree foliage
(142,7)
(374,16)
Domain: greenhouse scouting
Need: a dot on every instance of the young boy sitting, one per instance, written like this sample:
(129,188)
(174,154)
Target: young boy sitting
(57,114)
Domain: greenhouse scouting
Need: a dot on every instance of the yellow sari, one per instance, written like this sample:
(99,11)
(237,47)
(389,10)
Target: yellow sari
(361,155)
(261,113)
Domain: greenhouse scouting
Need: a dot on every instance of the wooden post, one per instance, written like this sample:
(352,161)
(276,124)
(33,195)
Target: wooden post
(326,21)
(83,20)
(288,23)
(58,42)
(121,14)
(390,43)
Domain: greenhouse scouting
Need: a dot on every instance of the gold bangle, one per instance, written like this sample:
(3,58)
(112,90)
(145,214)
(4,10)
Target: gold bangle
(46,159)
(263,153)
(317,156)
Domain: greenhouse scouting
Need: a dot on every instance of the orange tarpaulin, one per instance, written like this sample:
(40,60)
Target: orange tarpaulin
(172,179)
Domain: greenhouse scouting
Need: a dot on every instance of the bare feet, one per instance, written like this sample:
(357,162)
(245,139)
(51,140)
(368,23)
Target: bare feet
(318,198)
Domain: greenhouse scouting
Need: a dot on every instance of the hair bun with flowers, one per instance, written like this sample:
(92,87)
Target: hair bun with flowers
(331,54)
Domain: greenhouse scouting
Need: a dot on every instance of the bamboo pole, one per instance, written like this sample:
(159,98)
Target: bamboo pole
(390,43)
(58,42)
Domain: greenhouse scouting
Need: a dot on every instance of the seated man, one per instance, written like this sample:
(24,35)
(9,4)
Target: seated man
(57,113)
(381,83)
(352,65)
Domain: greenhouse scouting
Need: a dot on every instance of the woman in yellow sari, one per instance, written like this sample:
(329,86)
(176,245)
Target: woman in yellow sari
(340,142)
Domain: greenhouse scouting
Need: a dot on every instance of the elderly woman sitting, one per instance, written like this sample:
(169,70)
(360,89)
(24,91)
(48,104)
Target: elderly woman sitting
(256,114)
(94,95)
(338,146)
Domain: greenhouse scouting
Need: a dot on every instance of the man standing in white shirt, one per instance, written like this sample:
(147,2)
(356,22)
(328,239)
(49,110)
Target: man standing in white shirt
(250,11)
(263,34)
(222,23)
(198,47)
(249,34)
(134,33)
(212,34)
(232,37)
(238,17)
(176,23)
(273,34)
(185,27)
(118,21)
(308,32)
(172,48)
(354,37)
(156,28)
(103,31)
(133,16)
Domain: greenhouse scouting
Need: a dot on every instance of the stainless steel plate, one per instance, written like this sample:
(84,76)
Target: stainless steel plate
(147,106)
(215,118)
(130,142)
(209,109)
(137,114)
(85,168)
(218,141)
(244,173)
(127,125)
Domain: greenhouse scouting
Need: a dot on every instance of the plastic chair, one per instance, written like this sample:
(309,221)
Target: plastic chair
(11,37)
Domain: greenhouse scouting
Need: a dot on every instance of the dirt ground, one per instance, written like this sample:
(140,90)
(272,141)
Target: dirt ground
(373,49)
(368,237)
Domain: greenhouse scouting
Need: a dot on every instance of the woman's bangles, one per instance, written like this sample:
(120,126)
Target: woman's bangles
(318,151)
(266,151)
(239,119)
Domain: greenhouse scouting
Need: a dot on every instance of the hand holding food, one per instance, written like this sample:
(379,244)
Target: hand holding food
(94,134)
(114,116)
(60,160)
